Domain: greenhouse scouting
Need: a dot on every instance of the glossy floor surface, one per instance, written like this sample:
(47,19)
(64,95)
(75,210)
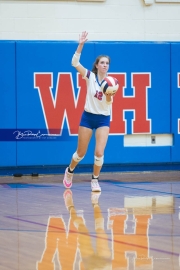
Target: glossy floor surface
(133,224)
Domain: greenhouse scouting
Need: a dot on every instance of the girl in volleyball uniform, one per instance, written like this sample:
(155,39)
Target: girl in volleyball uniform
(97,110)
(96,116)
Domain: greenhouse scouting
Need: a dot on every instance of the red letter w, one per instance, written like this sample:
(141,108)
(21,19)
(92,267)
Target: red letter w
(64,104)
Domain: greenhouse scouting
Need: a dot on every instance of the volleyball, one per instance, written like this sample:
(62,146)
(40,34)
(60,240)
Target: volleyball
(109,85)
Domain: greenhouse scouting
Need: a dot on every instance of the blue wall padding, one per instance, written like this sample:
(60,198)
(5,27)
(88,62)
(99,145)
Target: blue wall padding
(145,57)
(136,58)
(8,115)
(50,57)
(34,102)
(175,100)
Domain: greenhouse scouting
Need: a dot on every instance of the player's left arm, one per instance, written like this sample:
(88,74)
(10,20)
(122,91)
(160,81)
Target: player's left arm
(109,98)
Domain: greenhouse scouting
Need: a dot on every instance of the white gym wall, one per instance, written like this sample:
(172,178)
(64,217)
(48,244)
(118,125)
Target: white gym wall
(126,20)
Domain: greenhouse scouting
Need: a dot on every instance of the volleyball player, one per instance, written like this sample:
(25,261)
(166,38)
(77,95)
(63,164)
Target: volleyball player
(96,115)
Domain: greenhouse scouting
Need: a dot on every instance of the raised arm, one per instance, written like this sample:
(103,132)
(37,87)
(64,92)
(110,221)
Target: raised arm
(76,57)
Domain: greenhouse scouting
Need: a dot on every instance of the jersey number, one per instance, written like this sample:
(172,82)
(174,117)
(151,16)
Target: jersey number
(98,95)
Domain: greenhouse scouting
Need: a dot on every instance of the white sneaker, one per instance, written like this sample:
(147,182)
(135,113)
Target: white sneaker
(95,185)
(67,181)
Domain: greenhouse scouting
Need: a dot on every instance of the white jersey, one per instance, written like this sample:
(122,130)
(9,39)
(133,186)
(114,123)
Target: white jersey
(95,99)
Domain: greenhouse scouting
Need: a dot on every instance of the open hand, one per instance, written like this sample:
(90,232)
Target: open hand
(83,37)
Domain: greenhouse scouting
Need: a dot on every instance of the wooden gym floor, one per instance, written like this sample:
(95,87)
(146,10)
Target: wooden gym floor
(133,224)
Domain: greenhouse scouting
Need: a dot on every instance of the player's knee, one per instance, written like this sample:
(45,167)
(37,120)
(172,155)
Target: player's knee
(76,157)
(98,160)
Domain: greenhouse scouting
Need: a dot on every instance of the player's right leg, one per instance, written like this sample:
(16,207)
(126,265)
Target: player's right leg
(84,136)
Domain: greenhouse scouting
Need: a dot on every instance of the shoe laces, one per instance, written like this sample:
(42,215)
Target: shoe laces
(95,183)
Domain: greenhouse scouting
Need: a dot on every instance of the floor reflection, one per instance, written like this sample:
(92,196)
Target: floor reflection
(67,241)
(129,226)
(129,239)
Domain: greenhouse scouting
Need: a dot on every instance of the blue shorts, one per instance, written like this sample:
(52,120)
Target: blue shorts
(94,121)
